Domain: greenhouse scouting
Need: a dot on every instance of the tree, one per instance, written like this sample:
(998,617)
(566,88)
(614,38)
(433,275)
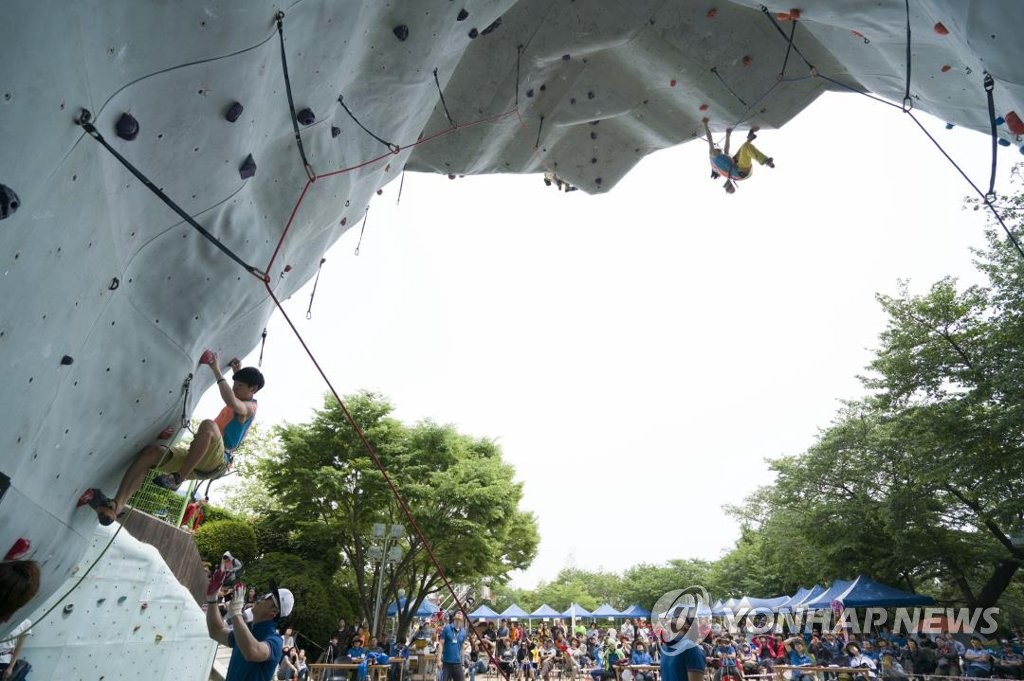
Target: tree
(217,536)
(921,483)
(329,494)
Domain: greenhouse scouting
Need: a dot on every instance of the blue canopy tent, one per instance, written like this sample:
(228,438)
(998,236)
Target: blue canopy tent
(718,608)
(636,611)
(544,611)
(865,592)
(606,611)
(484,613)
(514,612)
(816,591)
(426,609)
(752,606)
(576,610)
(824,601)
(801,594)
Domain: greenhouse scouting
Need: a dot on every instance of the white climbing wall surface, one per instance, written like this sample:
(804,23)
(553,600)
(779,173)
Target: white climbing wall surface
(109,297)
(128,619)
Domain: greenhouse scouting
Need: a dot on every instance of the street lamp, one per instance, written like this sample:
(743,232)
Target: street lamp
(382,555)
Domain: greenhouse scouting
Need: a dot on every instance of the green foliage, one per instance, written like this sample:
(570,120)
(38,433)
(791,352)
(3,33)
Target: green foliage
(213,513)
(459,490)
(217,536)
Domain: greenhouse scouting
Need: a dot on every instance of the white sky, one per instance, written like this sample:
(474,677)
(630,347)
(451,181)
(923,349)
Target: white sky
(639,354)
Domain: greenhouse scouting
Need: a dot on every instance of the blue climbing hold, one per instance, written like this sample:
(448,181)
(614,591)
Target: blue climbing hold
(999,121)
(949,126)
(1004,142)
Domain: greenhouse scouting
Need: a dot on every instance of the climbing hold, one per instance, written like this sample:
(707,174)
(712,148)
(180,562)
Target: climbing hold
(206,357)
(747,60)
(248,167)
(543,87)
(598,181)
(593,160)
(941,29)
(949,126)
(344,221)
(159,637)
(1003,142)
(566,57)
(9,201)
(593,135)
(590,95)
(67,360)
(492,28)
(401,32)
(703,107)
(712,13)
(101,601)
(379,192)
(1021,149)
(945,68)
(463,15)
(1014,123)
(234,111)
(127,128)
(287,268)
(19,549)
(473,33)
(114,284)
(335,131)
(166,433)
(68,608)
(858,34)
(572,100)
(143,605)
(999,120)
(306,117)
(529,93)
(672,83)
(122,599)
(794,14)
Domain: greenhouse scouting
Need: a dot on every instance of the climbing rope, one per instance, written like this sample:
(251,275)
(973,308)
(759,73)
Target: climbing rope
(714,70)
(291,103)
(908,103)
(440,94)
(84,120)
(401,186)
(263,345)
(390,145)
(362,229)
(309,310)
(989,85)
(789,39)
(41,618)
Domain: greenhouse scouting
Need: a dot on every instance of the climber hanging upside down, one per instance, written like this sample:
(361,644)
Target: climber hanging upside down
(739,166)
(208,456)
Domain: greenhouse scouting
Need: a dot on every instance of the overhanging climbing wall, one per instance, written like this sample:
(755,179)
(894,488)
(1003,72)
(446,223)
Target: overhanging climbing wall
(109,297)
(129,619)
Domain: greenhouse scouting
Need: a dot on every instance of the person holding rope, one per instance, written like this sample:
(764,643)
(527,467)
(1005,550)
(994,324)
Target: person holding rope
(208,456)
(736,167)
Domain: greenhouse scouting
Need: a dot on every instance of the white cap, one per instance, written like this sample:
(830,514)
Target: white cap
(287,602)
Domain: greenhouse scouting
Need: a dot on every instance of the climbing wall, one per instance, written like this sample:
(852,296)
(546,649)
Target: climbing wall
(129,618)
(110,296)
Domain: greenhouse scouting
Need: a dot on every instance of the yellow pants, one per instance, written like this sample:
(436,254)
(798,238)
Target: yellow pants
(746,156)
(212,461)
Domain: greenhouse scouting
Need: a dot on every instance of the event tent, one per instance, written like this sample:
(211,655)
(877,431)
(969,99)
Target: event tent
(791,602)
(865,592)
(824,601)
(606,611)
(636,611)
(544,611)
(515,612)
(426,608)
(576,610)
(816,591)
(484,613)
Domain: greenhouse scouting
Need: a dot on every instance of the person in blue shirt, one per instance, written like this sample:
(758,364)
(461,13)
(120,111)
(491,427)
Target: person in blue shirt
(641,656)
(725,652)
(682,659)
(453,637)
(357,652)
(256,647)
(796,655)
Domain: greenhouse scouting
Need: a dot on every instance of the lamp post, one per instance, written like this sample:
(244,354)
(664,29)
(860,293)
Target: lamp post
(383,556)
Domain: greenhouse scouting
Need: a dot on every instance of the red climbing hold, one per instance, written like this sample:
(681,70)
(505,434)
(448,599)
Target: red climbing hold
(206,357)
(712,13)
(287,268)
(19,549)
(166,433)
(794,14)
(941,29)
(748,60)
(857,34)
(672,83)
(703,107)
(946,68)
(1014,123)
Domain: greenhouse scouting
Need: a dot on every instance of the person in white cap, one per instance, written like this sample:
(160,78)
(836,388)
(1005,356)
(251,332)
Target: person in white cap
(257,647)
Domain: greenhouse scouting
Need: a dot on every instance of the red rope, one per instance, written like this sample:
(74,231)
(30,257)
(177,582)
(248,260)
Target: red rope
(404,507)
